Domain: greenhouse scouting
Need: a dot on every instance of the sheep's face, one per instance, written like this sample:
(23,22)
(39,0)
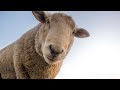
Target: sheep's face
(56,35)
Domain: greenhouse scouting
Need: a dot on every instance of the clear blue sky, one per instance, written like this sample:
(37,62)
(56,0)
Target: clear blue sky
(95,57)
(13,24)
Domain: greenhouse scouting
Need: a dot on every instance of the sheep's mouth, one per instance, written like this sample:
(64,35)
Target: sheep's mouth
(51,59)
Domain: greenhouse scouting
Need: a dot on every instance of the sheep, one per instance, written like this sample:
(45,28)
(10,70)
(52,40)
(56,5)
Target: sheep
(39,53)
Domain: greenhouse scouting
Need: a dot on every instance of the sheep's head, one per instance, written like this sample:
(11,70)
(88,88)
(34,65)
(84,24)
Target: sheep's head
(56,35)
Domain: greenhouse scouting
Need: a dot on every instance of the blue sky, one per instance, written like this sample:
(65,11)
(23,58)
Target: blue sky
(13,24)
(95,57)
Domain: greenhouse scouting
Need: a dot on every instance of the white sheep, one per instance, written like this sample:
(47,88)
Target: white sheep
(40,52)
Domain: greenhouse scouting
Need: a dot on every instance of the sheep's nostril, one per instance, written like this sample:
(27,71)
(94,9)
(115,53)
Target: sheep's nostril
(54,54)
(54,51)
(61,51)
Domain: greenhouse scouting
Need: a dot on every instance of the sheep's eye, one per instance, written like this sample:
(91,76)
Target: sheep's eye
(47,21)
(74,31)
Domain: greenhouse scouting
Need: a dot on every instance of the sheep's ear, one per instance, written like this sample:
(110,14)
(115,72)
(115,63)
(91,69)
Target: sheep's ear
(40,16)
(81,33)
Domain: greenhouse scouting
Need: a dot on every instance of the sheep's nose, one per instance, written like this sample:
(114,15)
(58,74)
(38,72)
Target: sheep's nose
(55,51)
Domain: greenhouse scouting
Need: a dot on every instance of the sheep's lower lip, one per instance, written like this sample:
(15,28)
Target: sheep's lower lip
(51,59)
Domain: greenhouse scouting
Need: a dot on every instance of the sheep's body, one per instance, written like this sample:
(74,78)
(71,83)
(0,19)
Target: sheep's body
(6,62)
(21,57)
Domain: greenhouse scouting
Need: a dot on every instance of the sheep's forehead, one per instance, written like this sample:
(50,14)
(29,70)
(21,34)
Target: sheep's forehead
(63,19)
